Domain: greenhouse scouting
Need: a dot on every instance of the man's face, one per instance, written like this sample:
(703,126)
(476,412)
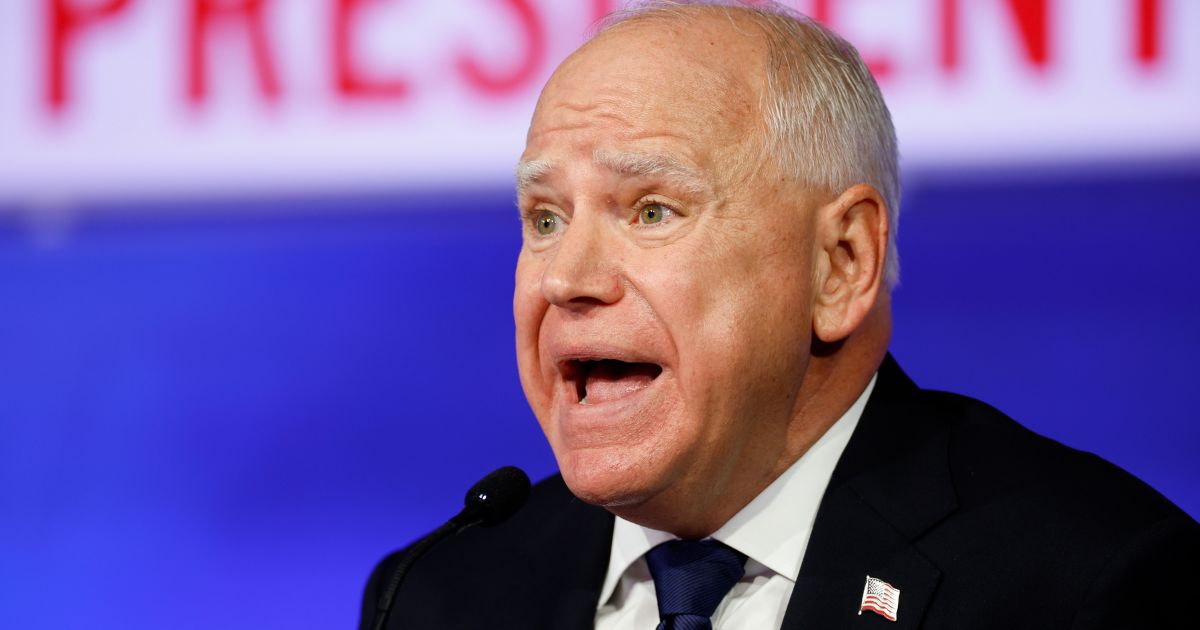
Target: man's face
(663,296)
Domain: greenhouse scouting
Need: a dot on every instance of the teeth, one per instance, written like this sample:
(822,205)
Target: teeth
(584,401)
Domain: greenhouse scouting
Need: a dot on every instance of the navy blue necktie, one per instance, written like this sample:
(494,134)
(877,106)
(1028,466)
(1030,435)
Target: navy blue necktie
(691,577)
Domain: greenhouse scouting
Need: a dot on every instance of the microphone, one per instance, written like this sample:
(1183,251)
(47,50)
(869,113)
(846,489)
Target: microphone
(494,498)
(489,502)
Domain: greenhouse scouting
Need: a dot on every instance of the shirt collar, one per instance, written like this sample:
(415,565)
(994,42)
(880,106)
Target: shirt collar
(773,529)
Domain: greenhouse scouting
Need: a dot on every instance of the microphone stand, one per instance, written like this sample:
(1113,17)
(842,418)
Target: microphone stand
(489,502)
(384,607)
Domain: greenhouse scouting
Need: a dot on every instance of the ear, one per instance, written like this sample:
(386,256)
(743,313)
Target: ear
(851,236)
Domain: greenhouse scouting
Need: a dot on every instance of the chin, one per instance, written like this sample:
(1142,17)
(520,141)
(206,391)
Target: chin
(607,479)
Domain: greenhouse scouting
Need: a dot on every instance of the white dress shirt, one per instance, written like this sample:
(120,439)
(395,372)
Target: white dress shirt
(772,530)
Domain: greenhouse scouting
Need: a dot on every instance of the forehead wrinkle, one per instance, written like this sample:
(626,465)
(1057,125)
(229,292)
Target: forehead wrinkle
(650,165)
(579,116)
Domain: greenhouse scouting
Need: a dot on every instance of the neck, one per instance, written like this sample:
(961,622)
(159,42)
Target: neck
(837,374)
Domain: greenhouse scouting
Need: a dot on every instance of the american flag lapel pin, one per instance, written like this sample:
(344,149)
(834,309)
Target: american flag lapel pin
(881,598)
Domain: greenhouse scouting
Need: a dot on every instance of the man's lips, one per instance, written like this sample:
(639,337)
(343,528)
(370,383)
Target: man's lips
(607,393)
(597,380)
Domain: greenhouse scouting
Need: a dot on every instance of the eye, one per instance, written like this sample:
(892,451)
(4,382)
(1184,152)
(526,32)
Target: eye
(546,222)
(653,213)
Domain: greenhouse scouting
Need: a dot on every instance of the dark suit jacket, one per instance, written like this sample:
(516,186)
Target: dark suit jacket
(979,522)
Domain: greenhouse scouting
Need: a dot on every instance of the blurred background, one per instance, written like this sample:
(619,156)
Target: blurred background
(256,268)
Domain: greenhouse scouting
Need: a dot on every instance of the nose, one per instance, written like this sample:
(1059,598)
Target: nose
(583,270)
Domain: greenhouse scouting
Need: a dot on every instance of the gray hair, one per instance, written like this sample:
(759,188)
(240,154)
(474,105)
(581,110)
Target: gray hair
(826,122)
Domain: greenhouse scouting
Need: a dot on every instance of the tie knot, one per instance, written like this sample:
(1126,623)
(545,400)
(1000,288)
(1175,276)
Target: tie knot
(692,577)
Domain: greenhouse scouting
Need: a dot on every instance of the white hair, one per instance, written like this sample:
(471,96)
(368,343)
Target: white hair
(826,122)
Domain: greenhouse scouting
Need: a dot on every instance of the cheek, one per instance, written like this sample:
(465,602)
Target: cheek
(706,297)
(529,305)
(738,314)
(529,310)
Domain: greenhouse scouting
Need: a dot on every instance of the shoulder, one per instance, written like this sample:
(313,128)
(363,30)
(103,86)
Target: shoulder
(509,574)
(997,463)
(1067,529)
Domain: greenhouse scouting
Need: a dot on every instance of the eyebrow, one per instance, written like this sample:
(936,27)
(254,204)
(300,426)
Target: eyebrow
(532,172)
(623,163)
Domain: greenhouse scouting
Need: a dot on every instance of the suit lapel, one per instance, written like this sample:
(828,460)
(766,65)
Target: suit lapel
(891,485)
(564,593)
(575,602)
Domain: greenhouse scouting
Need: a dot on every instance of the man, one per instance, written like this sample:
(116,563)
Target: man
(702,307)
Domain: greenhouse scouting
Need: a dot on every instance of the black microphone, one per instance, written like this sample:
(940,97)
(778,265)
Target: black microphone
(489,502)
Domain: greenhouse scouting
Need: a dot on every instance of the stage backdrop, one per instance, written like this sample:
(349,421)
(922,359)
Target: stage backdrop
(256,270)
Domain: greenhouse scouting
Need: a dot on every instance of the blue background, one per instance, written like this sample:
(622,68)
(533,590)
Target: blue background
(220,413)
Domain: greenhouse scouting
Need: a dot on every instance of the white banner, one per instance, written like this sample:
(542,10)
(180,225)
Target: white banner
(106,98)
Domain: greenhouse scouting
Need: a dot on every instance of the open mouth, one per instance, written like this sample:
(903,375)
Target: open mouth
(601,380)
